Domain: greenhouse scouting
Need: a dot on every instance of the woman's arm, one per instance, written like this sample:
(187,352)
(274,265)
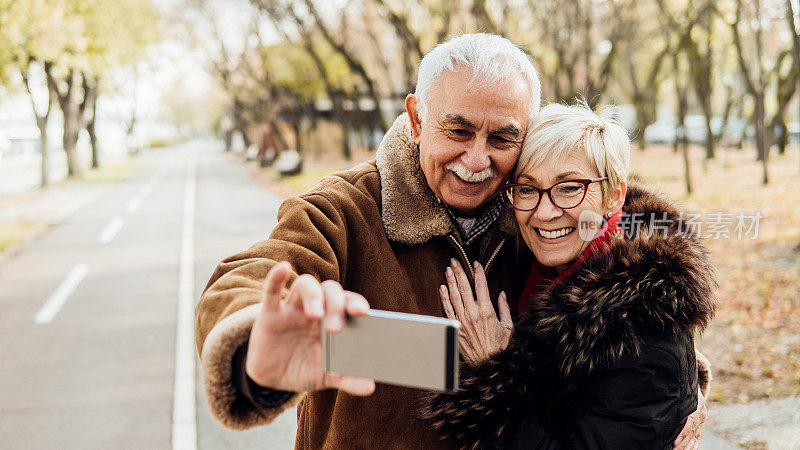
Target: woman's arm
(640,402)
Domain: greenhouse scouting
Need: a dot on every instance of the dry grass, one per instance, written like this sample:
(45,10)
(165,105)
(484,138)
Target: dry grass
(754,341)
(109,173)
(16,231)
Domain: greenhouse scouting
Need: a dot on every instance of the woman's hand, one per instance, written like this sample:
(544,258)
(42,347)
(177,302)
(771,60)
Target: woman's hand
(481,334)
(689,439)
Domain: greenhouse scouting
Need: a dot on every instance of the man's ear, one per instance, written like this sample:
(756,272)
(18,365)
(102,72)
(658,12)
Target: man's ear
(617,198)
(413,115)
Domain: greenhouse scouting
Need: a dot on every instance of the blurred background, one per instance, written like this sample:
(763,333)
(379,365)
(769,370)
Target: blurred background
(143,141)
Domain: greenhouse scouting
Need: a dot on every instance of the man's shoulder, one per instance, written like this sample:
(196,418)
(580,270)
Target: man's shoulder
(361,181)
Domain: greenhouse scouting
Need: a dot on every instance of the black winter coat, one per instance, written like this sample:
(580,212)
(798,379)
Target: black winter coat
(605,359)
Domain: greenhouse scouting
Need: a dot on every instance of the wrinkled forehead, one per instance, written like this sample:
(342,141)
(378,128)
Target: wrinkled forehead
(462,93)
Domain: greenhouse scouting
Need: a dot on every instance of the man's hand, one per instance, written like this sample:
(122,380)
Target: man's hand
(481,334)
(285,347)
(689,439)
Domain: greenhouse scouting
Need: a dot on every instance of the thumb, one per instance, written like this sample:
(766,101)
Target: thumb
(274,285)
(505,311)
(352,385)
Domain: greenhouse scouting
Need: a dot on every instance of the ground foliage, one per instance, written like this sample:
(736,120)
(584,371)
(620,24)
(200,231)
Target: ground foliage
(754,341)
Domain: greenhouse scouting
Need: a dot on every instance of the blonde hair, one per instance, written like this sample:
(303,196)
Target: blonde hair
(558,130)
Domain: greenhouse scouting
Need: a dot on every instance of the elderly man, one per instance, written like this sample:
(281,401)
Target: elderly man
(382,231)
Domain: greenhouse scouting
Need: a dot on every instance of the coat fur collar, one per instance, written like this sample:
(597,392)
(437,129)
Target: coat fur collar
(411,212)
(658,279)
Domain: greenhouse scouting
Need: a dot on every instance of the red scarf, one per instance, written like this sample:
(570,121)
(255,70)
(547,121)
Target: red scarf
(542,278)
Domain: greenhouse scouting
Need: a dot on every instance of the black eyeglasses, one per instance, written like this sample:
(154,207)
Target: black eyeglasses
(565,194)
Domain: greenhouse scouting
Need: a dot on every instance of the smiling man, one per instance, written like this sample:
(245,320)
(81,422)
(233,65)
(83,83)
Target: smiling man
(386,230)
(382,232)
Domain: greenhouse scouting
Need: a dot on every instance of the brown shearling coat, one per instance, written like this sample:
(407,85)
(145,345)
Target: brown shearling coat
(379,230)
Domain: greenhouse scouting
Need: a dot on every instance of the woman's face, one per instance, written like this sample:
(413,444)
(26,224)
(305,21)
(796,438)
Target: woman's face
(552,233)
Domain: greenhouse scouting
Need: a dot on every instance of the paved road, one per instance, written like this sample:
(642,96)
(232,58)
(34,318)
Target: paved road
(88,312)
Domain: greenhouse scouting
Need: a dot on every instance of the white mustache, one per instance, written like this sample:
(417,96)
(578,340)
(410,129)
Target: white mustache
(465,174)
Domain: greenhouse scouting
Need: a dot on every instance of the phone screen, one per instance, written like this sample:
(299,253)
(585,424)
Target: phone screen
(396,348)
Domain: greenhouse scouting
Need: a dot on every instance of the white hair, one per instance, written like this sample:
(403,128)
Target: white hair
(558,130)
(493,60)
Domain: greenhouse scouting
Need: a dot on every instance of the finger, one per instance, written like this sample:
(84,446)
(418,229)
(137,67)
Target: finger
(464,287)
(702,405)
(686,433)
(681,440)
(505,310)
(274,285)
(455,295)
(465,290)
(334,306)
(352,385)
(355,304)
(446,306)
(482,292)
(306,293)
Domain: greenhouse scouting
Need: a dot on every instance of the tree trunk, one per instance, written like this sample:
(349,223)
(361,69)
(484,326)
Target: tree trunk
(297,135)
(41,124)
(684,145)
(761,136)
(89,103)
(72,110)
(42,120)
(783,140)
(90,128)
(681,139)
(69,141)
(710,141)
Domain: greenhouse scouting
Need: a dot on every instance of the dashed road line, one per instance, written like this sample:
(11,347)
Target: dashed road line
(62,293)
(111,230)
(134,204)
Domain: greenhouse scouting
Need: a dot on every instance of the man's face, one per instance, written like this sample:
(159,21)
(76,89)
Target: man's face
(471,137)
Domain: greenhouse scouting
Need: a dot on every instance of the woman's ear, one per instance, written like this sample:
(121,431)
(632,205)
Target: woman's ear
(617,198)
(413,115)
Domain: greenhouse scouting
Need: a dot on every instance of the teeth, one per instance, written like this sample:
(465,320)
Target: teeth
(555,234)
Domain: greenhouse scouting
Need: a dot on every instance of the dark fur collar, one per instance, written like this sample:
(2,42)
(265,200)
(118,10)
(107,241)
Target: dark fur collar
(659,279)
(410,210)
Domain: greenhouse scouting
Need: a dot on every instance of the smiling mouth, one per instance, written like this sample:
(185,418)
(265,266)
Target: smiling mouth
(466,181)
(554,234)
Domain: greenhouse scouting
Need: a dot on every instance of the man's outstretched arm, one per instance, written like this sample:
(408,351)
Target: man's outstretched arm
(310,235)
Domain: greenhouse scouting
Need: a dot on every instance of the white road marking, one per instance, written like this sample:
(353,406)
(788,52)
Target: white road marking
(61,294)
(147,189)
(111,230)
(134,204)
(184,420)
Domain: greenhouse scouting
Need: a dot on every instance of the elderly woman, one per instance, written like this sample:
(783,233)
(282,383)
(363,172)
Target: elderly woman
(602,354)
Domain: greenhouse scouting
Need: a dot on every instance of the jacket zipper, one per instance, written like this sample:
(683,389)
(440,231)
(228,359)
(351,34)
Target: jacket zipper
(463,255)
(494,255)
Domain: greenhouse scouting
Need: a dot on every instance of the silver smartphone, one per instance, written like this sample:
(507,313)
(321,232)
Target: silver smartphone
(395,348)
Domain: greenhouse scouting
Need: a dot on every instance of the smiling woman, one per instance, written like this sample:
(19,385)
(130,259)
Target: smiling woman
(582,171)
(601,354)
